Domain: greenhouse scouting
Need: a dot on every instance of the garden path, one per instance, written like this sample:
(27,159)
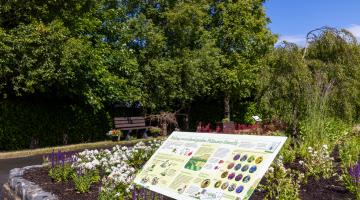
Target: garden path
(7,164)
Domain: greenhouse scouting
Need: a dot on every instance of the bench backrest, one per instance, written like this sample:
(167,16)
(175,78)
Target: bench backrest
(126,123)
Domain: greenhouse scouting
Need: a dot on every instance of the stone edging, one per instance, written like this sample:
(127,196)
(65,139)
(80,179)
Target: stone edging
(25,189)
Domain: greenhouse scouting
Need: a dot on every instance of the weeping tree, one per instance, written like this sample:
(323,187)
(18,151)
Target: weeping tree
(332,56)
(309,86)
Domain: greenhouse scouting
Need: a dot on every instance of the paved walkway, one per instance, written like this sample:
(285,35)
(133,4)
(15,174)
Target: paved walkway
(7,164)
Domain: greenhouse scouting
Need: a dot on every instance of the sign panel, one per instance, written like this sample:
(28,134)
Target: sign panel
(209,166)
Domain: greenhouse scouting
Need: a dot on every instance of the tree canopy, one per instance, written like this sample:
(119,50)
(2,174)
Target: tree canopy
(161,53)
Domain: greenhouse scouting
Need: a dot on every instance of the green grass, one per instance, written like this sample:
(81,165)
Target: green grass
(73,147)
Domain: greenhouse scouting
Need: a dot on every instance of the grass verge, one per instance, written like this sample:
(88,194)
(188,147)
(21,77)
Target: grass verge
(72,147)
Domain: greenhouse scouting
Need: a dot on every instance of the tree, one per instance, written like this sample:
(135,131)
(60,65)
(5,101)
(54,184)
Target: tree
(171,45)
(333,58)
(314,84)
(241,33)
(62,55)
(284,85)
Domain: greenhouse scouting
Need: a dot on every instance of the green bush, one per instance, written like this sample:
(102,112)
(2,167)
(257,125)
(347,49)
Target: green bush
(154,131)
(39,123)
(61,173)
(83,182)
(318,163)
(318,130)
(287,152)
(282,183)
(350,153)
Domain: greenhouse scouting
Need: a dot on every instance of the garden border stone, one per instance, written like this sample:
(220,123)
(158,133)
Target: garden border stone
(20,188)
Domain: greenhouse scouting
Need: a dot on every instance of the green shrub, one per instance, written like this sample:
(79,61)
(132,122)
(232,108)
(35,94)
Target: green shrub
(316,132)
(350,153)
(288,152)
(318,163)
(38,123)
(61,173)
(83,182)
(154,130)
(117,193)
(281,183)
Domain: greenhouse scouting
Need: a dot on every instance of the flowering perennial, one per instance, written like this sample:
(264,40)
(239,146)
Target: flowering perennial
(118,165)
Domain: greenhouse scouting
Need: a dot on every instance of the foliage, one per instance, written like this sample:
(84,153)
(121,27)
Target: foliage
(239,29)
(318,163)
(351,179)
(333,58)
(154,130)
(281,183)
(225,120)
(318,129)
(251,110)
(83,181)
(117,167)
(306,88)
(283,84)
(100,53)
(27,124)
(141,154)
(349,151)
(288,152)
(61,173)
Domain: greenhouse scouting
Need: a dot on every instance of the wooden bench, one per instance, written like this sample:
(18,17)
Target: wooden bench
(131,123)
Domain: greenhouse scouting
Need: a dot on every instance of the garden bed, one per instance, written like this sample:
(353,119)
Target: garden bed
(63,190)
(286,179)
(315,189)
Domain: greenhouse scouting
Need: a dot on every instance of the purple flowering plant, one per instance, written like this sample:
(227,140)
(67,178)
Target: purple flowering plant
(354,172)
(60,169)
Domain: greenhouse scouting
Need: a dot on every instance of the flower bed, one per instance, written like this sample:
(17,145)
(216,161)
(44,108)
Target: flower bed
(108,174)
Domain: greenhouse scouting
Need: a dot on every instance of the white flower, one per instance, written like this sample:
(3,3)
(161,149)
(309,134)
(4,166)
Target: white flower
(95,162)
(271,169)
(89,166)
(301,175)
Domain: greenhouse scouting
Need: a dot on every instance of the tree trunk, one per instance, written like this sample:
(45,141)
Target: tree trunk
(227,105)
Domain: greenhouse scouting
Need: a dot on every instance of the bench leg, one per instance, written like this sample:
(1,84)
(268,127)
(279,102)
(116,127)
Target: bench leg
(145,134)
(127,135)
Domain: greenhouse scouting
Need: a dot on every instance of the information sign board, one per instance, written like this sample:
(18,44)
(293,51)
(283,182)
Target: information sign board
(209,166)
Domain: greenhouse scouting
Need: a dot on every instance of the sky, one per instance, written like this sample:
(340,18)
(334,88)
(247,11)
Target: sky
(293,19)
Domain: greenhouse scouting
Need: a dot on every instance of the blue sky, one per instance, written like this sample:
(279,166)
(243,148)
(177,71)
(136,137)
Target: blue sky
(292,19)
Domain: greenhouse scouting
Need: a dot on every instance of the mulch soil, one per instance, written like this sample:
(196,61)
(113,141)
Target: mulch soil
(325,189)
(64,191)
(322,189)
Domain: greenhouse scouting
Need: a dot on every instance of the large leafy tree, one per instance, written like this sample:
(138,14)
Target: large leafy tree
(174,52)
(241,34)
(163,53)
(57,50)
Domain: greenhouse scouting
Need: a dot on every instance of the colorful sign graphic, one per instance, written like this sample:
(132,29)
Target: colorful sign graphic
(209,166)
